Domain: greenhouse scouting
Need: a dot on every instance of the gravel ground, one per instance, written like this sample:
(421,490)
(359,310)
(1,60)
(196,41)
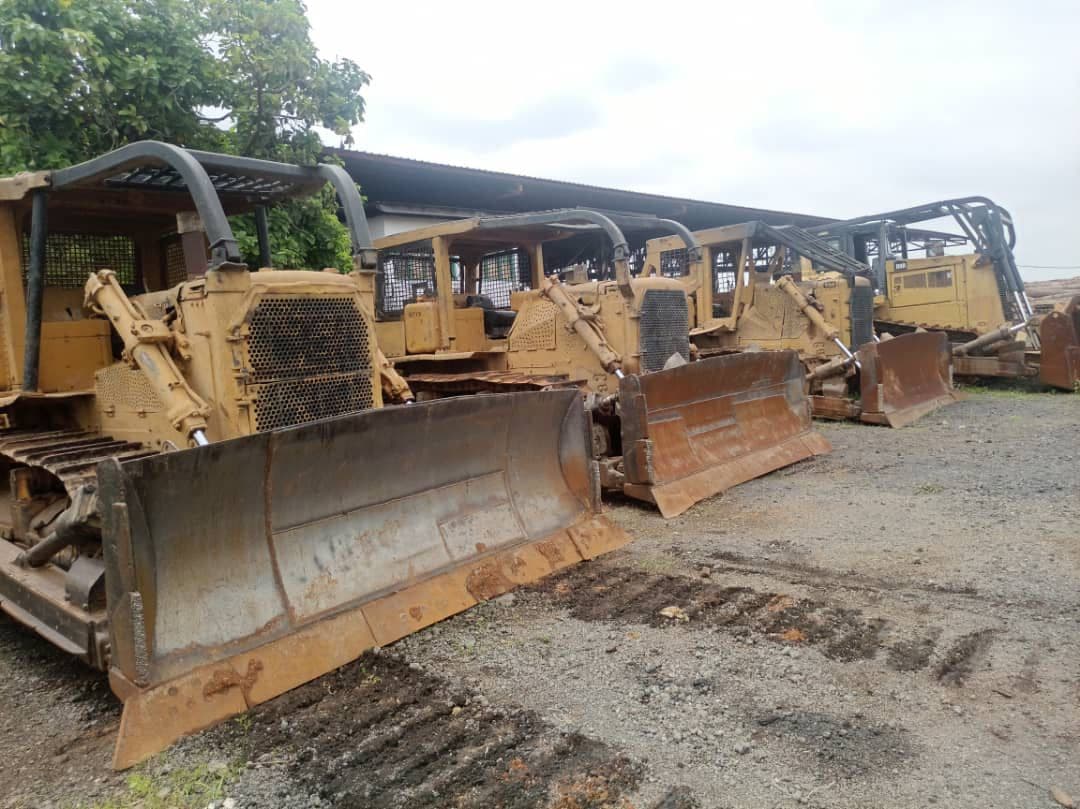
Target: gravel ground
(891,625)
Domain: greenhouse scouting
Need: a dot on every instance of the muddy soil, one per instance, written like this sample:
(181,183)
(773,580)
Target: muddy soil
(891,625)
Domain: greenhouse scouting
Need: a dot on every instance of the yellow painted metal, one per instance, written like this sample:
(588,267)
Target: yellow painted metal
(422,334)
(953,292)
(71,351)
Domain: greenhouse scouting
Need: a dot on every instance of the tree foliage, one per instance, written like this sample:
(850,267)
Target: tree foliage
(81,77)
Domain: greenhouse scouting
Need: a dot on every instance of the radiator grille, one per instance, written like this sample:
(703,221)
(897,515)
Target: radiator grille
(664,328)
(862,316)
(297,401)
(309,358)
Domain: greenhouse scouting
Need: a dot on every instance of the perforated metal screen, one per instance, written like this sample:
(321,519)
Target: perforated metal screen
(406,272)
(309,358)
(70,258)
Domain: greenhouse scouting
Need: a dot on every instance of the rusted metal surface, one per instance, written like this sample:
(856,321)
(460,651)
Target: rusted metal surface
(259,579)
(699,429)
(905,378)
(1059,360)
(37,598)
(1008,365)
(834,408)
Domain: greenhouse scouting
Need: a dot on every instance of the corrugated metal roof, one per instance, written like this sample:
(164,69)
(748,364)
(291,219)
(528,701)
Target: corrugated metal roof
(392,180)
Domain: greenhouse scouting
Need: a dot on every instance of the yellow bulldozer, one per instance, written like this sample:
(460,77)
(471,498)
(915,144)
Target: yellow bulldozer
(749,293)
(207,498)
(966,285)
(477,305)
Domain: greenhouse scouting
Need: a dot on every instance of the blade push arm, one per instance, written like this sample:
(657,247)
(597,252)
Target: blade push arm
(146,343)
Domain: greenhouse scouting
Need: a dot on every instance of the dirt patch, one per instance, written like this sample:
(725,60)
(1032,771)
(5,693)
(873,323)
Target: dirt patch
(380,734)
(678,798)
(844,747)
(913,654)
(959,661)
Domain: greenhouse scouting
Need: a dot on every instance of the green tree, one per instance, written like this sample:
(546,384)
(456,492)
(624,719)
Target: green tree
(81,77)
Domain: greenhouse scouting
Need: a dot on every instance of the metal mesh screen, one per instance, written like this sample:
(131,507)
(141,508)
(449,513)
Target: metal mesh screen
(172,254)
(70,258)
(724,278)
(664,328)
(674,263)
(405,273)
(502,273)
(309,358)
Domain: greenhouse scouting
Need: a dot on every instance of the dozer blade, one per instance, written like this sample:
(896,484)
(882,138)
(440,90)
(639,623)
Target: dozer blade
(696,430)
(243,569)
(904,378)
(1059,350)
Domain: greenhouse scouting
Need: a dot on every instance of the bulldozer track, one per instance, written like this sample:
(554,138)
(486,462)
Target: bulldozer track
(898,327)
(71,455)
(485,382)
(379,733)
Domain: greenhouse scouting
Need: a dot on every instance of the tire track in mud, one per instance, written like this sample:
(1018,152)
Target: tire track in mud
(381,734)
(962,657)
(606,592)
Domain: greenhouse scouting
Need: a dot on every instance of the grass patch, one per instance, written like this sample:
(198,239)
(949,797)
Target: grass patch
(1016,390)
(656,564)
(929,488)
(184,788)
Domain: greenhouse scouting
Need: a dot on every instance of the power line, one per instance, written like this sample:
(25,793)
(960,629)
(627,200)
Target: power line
(1049,266)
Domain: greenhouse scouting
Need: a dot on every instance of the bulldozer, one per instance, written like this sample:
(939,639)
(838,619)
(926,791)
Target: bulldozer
(749,293)
(208,498)
(548,300)
(976,297)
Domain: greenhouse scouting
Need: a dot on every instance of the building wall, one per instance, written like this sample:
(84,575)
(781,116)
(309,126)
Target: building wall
(389,224)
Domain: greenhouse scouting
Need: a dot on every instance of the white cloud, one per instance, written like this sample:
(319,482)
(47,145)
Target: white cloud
(838,108)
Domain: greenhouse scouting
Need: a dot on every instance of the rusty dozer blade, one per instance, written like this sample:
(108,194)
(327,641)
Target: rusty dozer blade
(1059,347)
(243,569)
(696,430)
(904,378)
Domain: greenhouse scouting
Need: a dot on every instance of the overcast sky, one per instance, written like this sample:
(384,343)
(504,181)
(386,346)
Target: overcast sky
(831,108)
